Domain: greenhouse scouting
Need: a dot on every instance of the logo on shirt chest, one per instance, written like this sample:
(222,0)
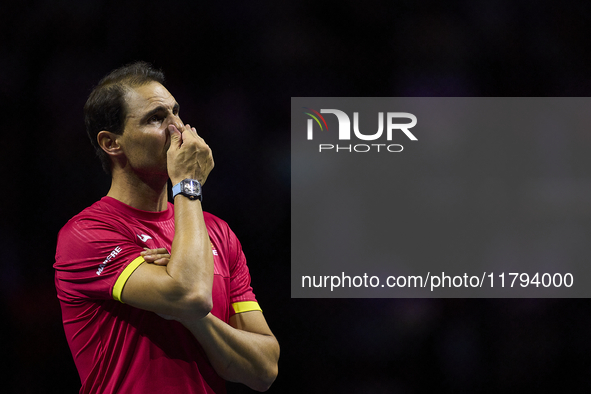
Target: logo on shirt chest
(144,237)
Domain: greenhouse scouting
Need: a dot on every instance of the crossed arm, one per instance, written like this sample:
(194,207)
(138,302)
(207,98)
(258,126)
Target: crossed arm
(244,351)
(179,286)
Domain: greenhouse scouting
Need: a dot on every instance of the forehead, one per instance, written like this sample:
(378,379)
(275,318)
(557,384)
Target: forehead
(147,97)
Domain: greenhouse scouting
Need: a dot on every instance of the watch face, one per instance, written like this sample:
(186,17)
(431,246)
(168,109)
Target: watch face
(191,186)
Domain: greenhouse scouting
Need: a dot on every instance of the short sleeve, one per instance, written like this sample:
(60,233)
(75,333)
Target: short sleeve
(91,255)
(242,297)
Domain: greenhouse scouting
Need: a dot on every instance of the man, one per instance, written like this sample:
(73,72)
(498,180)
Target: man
(156,298)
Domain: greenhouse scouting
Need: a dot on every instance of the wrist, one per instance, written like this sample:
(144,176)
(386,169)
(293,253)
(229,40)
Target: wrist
(197,323)
(189,188)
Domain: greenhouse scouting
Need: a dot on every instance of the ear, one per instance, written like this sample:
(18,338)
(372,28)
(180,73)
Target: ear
(109,142)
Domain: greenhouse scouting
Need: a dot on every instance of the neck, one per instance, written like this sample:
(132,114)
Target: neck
(148,193)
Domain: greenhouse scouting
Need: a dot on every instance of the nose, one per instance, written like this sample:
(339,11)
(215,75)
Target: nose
(176,121)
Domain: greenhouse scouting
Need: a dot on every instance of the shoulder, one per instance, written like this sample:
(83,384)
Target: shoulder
(93,220)
(219,228)
(97,232)
(224,241)
(215,224)
(212,219)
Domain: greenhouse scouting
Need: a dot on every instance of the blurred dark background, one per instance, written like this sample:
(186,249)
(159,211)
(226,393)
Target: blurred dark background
(233,68)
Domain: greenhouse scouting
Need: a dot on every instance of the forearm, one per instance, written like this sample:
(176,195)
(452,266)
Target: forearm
(182,287)
(237,355)
(191,262)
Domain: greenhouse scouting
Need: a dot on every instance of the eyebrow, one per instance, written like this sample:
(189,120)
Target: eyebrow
(159,109)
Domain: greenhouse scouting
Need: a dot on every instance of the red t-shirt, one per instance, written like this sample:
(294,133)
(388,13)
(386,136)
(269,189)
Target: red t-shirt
(119,348)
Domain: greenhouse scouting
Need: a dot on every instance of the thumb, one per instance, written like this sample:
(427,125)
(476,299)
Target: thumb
(175,136)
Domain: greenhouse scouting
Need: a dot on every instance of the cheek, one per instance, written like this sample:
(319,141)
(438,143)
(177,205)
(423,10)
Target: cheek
(161,144)
(164,140)
(155,140)
(149,147)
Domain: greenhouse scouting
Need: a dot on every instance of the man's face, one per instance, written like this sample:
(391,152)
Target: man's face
(145,140)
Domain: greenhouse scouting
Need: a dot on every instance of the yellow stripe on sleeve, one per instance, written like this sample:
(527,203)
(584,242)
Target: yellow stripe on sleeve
(122,279)
(246,306)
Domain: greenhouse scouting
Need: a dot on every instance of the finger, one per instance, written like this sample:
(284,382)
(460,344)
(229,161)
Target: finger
(176,137)
(162,261)
(148,251)
(186,129)
(153,257)
(194,131)
(149,258)
(186,132)
(157,250)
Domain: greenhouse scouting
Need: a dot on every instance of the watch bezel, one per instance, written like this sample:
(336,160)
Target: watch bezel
(190,188)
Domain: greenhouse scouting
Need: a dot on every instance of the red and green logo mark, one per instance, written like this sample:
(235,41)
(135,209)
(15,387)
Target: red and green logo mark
(315,118)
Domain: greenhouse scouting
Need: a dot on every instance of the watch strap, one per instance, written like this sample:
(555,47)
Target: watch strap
(176,189)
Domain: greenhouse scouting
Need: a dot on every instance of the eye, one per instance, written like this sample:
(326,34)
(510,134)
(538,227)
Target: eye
(155,119)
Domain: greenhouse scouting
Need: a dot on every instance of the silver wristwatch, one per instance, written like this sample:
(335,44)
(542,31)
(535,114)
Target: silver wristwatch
(190,188)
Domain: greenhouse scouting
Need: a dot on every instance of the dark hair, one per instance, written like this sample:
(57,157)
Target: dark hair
(106,108)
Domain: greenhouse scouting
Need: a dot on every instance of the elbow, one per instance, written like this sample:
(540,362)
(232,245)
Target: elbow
(195,305)
(257,374)
(268,372)
(266,379)
(200,304)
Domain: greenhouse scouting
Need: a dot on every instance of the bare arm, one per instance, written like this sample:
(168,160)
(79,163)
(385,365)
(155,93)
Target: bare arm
(244,351)
(182,288)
